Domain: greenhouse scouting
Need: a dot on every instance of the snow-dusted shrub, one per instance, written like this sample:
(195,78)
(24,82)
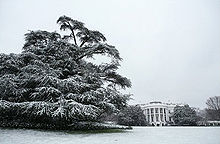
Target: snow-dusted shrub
(52,81)
(185,116)
(132,116)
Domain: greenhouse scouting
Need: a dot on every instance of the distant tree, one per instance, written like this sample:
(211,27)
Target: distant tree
(52,82)
(132,116)
(213,108)
(201,113)
(184,115)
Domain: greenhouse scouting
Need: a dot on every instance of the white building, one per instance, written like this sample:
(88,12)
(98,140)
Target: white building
(158,113)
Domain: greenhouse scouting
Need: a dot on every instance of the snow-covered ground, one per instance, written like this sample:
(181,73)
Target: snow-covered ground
(139,135)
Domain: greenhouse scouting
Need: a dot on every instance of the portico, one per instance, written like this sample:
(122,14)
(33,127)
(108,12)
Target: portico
(156,116)
(158,113)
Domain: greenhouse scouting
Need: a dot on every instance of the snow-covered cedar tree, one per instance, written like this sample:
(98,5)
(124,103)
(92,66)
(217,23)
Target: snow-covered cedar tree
(132,116)
(52,81)
(185,115)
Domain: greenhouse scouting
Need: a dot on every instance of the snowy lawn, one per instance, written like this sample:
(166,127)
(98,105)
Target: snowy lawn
(139,135)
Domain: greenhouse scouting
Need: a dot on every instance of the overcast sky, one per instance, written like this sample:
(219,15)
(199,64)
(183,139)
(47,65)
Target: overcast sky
(170,48)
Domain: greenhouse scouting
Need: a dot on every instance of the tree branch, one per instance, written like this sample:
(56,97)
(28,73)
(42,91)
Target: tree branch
(74,37)
(83,42)
(82,56)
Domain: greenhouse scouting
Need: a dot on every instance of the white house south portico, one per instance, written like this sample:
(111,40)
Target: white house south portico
(158,113)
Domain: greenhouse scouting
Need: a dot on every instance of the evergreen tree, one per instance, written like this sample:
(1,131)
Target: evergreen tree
(132,116)
(185,115)
(52,81)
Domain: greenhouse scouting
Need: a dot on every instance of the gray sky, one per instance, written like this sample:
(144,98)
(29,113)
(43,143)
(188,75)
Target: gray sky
(171,48)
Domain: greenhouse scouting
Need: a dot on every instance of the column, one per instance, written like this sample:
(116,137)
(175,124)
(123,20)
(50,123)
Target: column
(154,115)
(167,115)
(145,113)
(150,114)
(163,115)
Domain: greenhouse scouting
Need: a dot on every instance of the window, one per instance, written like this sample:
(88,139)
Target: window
(161,117)
(152,110)
(147,111)
(156,110)
(161,110)
(152,118)
(157,117)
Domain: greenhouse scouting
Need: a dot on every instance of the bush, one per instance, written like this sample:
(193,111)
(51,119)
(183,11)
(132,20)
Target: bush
(132,116)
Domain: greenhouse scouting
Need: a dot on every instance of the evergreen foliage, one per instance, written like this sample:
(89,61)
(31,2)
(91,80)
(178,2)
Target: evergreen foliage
(52,82)
(185,115)
(132,116)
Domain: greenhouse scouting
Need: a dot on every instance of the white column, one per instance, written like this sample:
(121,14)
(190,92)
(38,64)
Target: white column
(167,115)
(163,115)
(146,115)
(154,115)
(150,114)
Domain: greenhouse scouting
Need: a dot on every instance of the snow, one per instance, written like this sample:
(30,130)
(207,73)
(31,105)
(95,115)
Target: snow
(50,72)
(139,135)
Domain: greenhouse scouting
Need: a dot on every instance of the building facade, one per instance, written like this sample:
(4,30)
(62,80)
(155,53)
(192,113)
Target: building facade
(158,113)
